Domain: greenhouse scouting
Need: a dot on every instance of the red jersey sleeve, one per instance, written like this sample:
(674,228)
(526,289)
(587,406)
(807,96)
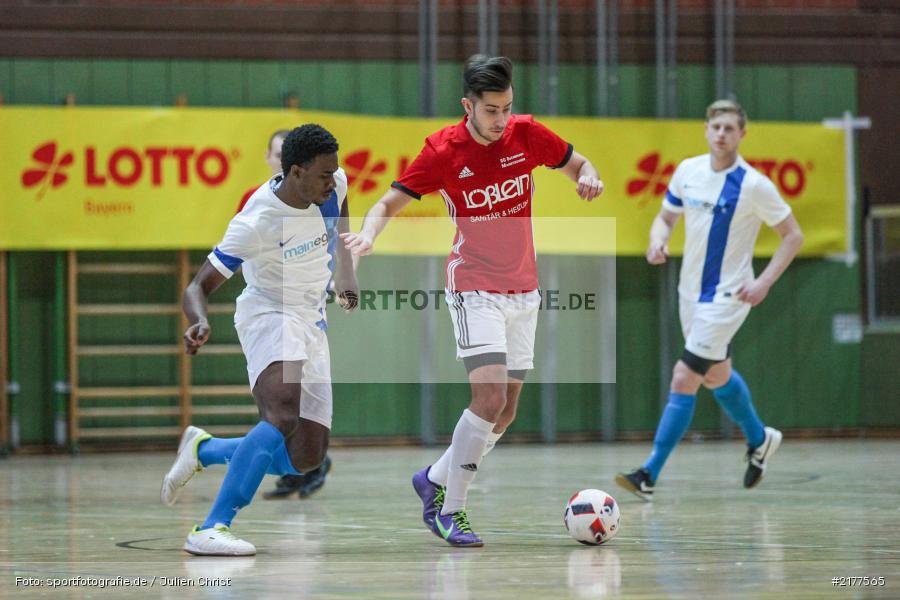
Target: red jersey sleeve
(244,200)
(548,148)
(421,177)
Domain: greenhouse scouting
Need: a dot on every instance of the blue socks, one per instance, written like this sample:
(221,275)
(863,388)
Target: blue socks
(674,423)
(249,463)
(218,451)
(734,398)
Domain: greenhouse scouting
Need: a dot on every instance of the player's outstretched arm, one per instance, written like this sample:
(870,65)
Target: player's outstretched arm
(376,219)
(195,304)
(580,170)
(660,232)
(756,290)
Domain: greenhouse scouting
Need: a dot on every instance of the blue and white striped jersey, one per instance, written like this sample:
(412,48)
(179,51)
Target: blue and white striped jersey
(287,254)
(722,214)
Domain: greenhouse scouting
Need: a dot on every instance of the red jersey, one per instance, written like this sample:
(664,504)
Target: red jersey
(488,192)
(246,197)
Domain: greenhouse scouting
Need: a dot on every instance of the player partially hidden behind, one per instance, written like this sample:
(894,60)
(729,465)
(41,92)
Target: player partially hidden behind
(272,158)
(483,168)
(280,239)
(724,200)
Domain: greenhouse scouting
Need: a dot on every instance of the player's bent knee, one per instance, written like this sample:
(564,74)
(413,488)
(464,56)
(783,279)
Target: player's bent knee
(285,424)
(718,375)
(280,406)
(488,403)
(712,382)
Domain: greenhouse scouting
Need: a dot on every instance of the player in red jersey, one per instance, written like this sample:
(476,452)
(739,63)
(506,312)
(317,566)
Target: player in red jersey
(273,159)
(482,167)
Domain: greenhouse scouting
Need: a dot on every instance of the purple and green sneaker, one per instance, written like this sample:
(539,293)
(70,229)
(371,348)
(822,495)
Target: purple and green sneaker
(432,496)
(455,530)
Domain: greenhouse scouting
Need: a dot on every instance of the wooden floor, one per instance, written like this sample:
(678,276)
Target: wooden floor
(826,509)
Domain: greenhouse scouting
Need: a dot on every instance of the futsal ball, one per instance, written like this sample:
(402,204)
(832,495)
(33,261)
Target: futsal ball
(592,517)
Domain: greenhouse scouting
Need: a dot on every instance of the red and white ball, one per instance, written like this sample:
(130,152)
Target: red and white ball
(592,517)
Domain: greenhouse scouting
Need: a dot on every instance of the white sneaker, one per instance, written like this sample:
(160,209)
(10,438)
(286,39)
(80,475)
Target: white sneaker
(186,464)
(217,541)
(758,457)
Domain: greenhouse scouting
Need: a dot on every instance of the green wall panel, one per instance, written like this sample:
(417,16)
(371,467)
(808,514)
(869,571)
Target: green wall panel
(189,77)
(33,346)
(32,82)
(880,401)
(696,88)
(6,79)
(636,89)
(769,92)
(338,87)
(303,79)
(150,83)
(111,82)
(262,84)
(225,83)
(637,344)
(72,77)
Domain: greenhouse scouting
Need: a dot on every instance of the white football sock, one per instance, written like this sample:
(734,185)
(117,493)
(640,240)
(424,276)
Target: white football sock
(492,440)
(441,467)
(470,439)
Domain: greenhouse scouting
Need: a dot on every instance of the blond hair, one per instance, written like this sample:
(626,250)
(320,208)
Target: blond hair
(720,107)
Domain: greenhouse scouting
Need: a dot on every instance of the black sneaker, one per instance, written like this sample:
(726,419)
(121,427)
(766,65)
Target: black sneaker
(757,457)
(313,480)
(285,486)
(638,483)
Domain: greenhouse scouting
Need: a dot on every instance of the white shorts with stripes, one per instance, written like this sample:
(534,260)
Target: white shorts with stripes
(484,322)
(278,337)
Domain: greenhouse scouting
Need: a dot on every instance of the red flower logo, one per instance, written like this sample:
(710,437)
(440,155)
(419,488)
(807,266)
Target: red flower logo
(48,169)
(652,180)
(361,172)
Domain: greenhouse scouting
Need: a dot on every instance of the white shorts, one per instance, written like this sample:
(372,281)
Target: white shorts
(278,337)
(708,328)
(484,323)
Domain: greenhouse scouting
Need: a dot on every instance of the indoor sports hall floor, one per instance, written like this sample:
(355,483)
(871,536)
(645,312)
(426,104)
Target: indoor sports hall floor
(827,509)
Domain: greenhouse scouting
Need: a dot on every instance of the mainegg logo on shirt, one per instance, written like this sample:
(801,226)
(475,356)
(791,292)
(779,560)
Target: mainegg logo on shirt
(498,192)
(304,247)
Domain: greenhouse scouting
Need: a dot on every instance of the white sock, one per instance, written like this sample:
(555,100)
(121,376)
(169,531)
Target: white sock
(492,440)
(441,468)
(470,438)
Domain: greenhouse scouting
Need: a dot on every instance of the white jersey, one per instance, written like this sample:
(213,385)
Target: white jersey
(284,252)
(722,213)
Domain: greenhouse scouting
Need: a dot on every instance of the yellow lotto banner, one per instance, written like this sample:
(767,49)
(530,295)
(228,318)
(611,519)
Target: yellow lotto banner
(106,178)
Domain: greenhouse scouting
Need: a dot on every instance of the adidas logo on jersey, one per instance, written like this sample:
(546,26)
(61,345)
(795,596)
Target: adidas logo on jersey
(466,172)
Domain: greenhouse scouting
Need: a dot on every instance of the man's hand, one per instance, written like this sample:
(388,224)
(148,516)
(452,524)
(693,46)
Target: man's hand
(346,291)
(357,243)
(195,336)
(753,291)
(657,253)
(589,187)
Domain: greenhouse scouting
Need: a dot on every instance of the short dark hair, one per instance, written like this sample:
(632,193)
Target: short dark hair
(303,144)
(281,133)
(486,74)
